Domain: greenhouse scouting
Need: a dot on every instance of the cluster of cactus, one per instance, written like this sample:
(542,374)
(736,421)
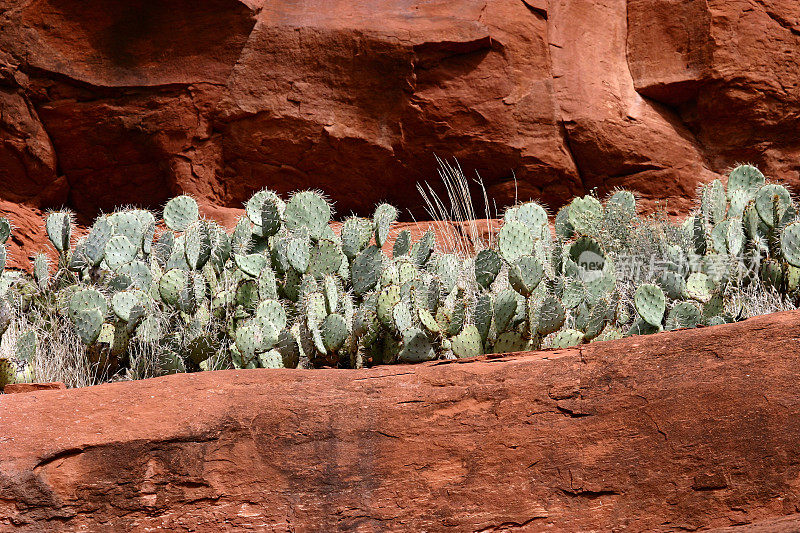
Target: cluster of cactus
(18,365)
(283,289)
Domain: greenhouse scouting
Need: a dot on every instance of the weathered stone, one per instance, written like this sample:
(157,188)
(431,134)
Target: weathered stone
(18,388)
(675,431)
(106,103)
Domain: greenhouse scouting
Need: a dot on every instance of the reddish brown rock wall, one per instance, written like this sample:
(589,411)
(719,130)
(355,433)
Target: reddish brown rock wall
(676,431)
(107,103)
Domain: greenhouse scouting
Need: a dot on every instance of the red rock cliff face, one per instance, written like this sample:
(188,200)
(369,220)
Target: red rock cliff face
(104,103)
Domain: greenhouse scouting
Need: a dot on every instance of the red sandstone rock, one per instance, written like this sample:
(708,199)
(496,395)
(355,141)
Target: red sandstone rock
(107,103)
(676,431)
(729,70)
(18,388)
(787,524)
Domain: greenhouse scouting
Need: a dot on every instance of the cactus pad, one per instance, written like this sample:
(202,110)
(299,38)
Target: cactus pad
(515,240)
(387,299)
(298,253)
(87,299)
(171,284)
(401,317)
(356,234)
(129,306)
(525,274)
(307,211)
(713,202)
(509,341)
(699,287)
(366,270)
(584,214)
(422,250)
(5,230)
(402,244)
(771,202)
(428,321)
(138,273)
(59,230)
(272,311)
(683,315)
(129,224)
(505,308)
(467,343)
(567,338)
(249,341)
(88,323)
(119,250)
(790,243)
(385,215)
(334,332)
(650,303)
(265,209)
(325,258)
(417,347)
(487,267)
(197,245)
(482,314)
(550,315)
(180,213)
(744,178)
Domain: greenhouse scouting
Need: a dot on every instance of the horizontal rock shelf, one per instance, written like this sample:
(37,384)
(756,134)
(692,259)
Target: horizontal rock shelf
(682,430)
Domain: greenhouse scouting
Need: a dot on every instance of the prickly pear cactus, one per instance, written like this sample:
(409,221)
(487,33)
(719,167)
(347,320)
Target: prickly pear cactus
(567,338)
(650,303)
(59,230)
(515,240)
(385,215)
(180,213)
(745,179)
(282,289)
(467,343)
(307,211)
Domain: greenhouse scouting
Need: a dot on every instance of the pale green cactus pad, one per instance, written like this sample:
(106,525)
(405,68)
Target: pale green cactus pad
(525,274)
(745,179)
(307,211)
(385,215)
(585,213)
(5,230)
(567,338)
(790,243)
(180,213)
(467,343)
(515,239)
(119,250)
(771,203)
(356,234)
(650,303)
(684,315)
(487,267)
(59,230)
(417,347)
(402,244)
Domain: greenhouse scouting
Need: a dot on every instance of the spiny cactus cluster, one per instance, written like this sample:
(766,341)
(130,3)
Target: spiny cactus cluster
(284,290)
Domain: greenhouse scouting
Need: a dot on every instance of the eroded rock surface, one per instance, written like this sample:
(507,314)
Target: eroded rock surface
(105,103)
(676,431)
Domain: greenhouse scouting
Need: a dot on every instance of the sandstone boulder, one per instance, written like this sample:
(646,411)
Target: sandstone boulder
(676,431)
